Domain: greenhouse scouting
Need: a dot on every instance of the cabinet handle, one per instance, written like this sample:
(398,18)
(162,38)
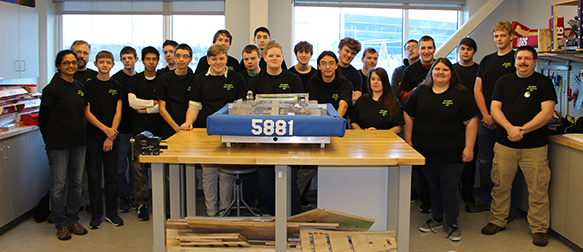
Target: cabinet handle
(16,66)
(2,153)
(6,154)
(24,64)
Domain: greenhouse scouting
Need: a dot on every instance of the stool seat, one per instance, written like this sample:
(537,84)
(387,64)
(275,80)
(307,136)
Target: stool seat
(237,169)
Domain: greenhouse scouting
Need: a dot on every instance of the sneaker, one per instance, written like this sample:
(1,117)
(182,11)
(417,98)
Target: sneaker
(77,229)
(540,239)
(143,213)
(454,233)
(414,196)
(430,225)
(124,205)
(88,208)
(305,203)
(95,222)
(425,208)
(491,229)
(470,206)
(64,234)
(114,219)
(133,204)
(479,207)
(510,217)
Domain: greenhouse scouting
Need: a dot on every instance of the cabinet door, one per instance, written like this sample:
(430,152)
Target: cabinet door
(574,217)
(37,167)
(558,188)
(29,63)
(13,160)
(9,43)
(3,180)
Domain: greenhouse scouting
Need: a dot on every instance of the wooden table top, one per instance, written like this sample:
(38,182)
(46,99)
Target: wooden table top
(356,148)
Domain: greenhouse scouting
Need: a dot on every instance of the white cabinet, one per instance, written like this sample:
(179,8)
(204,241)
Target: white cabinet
(24,174)
(19,43)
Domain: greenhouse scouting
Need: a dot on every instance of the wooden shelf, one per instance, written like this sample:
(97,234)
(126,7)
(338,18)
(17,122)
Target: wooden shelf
(564,56)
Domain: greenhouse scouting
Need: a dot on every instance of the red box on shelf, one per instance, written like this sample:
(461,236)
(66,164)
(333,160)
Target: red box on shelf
(29,119)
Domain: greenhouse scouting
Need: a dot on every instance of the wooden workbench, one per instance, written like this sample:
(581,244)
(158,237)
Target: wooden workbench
(360,148)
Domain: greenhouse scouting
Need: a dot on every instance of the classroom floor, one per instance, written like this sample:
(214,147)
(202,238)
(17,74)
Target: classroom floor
(137,235)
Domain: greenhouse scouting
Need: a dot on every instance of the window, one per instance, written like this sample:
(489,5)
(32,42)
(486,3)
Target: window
(379,28)
(199,38)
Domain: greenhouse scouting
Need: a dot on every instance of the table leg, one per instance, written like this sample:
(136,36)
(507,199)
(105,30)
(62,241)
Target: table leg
(190,190)
(174,186)
(399,207)
(159,207)
(282,205)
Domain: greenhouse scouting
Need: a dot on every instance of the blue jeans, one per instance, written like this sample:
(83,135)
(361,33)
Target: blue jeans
(66,166)
(124,158)
(443,190)
(486,140)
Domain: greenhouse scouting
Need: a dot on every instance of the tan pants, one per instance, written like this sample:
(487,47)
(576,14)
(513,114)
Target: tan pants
(535,166)
(217,187)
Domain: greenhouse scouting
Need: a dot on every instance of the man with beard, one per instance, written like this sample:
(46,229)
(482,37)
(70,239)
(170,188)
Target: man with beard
(82,49)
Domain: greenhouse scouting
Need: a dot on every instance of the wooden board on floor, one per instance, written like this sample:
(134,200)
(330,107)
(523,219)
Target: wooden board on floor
(347,222)
(343,241)
(308,216)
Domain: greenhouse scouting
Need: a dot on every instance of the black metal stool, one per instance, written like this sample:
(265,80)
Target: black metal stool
(238,189)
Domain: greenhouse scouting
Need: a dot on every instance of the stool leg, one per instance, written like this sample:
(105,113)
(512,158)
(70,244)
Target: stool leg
(228,209)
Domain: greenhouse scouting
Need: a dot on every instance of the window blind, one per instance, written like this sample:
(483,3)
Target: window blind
(176,7)
(397,4)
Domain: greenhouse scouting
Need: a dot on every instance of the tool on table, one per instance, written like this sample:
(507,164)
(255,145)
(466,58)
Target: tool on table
(147,144)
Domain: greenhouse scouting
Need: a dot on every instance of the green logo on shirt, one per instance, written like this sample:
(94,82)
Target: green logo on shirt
(284,86)
(447,102)
(231,68)
(188,89)
(335,96)
(383,112)
(228,86)
(112,91)
(507,64)
(531,88)
(79,92)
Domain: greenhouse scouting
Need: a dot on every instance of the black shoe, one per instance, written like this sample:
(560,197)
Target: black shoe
(425,208)
(133,204)
(114,219)
(95,222)
(143,214)
(510,217)
(414,196)
(305,203)
(88,208)
(124,205)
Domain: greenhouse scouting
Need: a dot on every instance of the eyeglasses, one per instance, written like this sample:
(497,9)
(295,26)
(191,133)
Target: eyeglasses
(82,53)
(411,48)
(66,63)
(331,63)
(178,56)
(525,58)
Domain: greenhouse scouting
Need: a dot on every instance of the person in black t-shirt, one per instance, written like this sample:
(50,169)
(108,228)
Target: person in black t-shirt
(379,109)
(275,80)
(303,51)
(347,49)
(223,38)
(261,37)
(442,123)
(128,57)
(62,126)
(416,73)
(466,69)
(522,105)
(329,86)
(172,92)
(370,57)
(104,115)
(169,46)
(141,97)
(82,49)
(251,55)
(210,92)
(412,52)
(491,68)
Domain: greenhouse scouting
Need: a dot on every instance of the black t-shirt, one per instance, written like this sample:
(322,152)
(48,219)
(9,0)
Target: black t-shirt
(364,82)
(162,71)
(84,76)
(328,92)
(467,75)
(304,77)
(396,79)
(521,101)
(203,65)
(127,113)
(413,76)
(439,130)
(145,89)
(352,75)
(214,92)
(102,97)
(369,113)
(284,83)
(491,68)
(174,89)
(62,114)
(262,64)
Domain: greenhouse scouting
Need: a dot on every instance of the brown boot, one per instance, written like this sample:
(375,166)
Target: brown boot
(540,239)
(77,228)
(63,234)
(491,229)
